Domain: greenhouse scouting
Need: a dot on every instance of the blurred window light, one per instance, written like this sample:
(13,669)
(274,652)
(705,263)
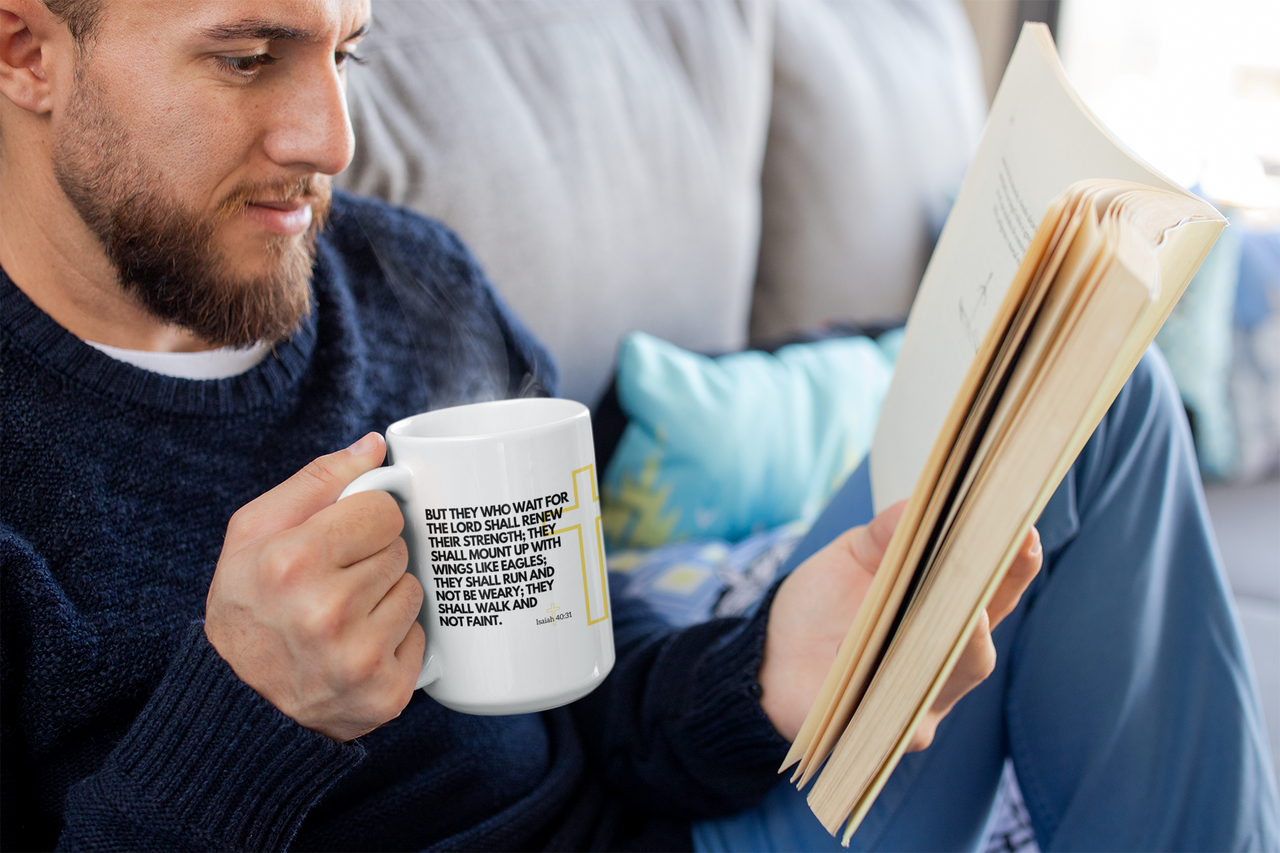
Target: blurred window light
(1192,86)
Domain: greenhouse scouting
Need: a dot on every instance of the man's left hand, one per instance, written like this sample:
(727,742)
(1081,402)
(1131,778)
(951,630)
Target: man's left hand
(816,605)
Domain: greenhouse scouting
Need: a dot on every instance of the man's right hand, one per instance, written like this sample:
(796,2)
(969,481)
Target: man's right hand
(310,603)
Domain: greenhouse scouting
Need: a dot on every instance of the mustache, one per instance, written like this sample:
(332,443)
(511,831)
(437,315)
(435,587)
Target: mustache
(317,188)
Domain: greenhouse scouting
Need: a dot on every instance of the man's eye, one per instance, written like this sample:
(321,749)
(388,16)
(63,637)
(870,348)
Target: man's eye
(342,57)
(246,66)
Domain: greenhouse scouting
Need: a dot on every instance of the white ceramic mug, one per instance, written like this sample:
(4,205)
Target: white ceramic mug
(502,520)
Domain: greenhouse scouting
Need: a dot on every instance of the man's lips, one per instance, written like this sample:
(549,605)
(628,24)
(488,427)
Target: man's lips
(285,218)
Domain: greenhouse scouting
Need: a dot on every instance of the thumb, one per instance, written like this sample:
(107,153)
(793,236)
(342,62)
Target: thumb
(307,492)
(870,547)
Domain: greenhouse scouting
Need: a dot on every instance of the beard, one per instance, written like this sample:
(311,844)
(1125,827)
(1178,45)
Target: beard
(165,254)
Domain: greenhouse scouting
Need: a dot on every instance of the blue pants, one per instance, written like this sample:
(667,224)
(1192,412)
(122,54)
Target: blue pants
(1122,692)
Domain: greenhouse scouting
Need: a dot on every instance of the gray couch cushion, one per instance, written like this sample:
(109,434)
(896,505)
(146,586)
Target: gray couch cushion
(877,106)
(602,159)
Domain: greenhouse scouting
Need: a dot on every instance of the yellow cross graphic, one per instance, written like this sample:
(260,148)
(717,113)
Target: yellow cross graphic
(553,610)
(586,511)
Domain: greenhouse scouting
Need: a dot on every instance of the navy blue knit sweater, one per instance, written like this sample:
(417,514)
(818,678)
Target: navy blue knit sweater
(123,728)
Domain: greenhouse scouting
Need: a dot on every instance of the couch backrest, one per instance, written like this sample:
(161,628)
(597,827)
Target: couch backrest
(606,160)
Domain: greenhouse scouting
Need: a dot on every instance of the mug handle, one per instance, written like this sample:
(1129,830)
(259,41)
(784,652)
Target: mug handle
(396,481)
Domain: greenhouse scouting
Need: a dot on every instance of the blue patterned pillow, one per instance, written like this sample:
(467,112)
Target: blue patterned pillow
(690,582)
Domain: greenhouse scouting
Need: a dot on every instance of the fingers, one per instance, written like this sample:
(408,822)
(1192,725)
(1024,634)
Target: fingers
(397,611)
(978,660)
(310,603)
(1025,566)
(400,678)
(356,528)
(976,663)
(922,737)
(810,617)
(410,652)
(307,492)
(384,669)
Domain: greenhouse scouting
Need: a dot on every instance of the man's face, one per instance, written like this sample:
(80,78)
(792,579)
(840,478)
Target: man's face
(197,143)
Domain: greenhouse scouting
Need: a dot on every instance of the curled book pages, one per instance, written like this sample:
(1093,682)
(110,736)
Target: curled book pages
(1062,257)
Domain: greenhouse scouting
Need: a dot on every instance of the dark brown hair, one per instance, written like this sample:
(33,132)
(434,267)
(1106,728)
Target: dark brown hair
(81,16)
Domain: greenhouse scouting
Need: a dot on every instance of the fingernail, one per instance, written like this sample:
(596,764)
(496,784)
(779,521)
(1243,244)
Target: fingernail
(365,445)
(1035,546)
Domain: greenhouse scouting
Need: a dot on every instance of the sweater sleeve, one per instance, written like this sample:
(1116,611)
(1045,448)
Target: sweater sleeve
(678,725)
(208,764)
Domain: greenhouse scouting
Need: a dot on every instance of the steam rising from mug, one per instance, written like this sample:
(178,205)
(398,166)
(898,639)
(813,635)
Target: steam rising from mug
(458,350)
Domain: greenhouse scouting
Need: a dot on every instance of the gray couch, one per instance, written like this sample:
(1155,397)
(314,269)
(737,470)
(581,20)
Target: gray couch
(709,172)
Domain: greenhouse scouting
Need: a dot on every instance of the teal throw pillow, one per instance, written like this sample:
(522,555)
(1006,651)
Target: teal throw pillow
(718,448)
(1197,342)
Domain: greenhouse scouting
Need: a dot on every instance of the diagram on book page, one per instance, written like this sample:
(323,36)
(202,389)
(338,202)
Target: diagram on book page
(971,313)
(1039,140)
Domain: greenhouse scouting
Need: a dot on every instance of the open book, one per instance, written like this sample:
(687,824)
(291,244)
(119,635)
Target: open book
(1063,255)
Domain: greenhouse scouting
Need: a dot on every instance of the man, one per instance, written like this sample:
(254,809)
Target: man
(201,648)
(165,172)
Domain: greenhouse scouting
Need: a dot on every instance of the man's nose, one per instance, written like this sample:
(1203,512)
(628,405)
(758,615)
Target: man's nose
(312,128)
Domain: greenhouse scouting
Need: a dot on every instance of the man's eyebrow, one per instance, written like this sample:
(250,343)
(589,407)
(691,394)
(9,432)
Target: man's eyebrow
(262,30)
(255,30)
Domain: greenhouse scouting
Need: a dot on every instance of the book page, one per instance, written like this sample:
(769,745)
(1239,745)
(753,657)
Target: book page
(1039,140)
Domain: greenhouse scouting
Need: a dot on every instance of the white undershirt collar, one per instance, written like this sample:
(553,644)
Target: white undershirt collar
(210,364)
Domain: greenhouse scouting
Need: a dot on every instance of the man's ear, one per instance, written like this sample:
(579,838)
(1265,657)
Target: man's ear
(32,40)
